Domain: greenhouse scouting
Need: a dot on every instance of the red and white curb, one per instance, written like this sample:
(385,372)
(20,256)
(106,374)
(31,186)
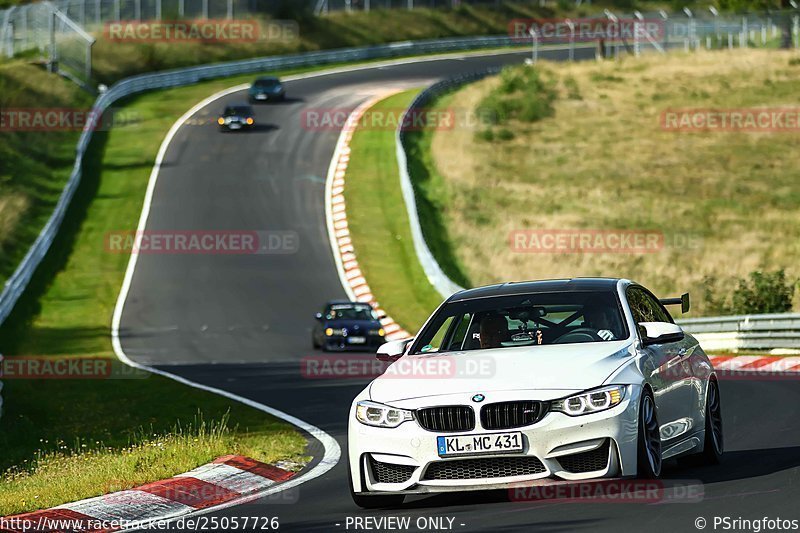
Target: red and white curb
(226,480)
(755,363)
(344,254)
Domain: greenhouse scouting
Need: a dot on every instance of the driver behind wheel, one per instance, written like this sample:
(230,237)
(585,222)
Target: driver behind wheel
(493,331)
(596,316)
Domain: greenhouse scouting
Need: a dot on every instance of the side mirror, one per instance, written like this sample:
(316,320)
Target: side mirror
(660,333)
(381,317)
(318,316)
(393,350)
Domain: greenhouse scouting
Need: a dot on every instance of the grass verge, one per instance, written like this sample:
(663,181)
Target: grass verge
(603,161)
(378,222)
(34,165)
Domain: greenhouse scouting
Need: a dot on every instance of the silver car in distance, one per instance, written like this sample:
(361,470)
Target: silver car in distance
(534,382)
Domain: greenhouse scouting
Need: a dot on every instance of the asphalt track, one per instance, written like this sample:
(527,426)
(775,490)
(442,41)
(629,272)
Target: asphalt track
(241,323)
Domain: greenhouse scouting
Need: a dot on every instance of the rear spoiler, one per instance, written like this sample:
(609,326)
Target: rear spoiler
(683,301)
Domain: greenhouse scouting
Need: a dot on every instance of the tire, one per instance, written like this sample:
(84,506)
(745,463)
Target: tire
(714,443)
(649,459)
(314,343)
(384,501)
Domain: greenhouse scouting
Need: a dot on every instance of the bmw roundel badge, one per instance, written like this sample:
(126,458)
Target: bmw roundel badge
(478,398)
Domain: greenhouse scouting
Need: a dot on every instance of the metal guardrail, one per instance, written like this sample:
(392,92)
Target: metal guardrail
(436,276)
(16,284)
(746,332)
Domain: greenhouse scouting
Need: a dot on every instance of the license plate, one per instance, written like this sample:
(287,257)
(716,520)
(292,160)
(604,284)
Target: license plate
(261,97)
(356,340)
(234,125)
(479,444)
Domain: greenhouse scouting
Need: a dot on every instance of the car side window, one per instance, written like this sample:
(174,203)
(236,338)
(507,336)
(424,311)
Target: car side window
(436,341)
(456,341)
(645,308)
(641,310)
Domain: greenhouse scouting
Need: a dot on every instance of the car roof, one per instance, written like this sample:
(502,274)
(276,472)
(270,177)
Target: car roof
(267,78)
(525,287)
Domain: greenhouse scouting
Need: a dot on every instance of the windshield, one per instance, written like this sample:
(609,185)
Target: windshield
(350,312)
(240,111)
(267,83)
(524,320)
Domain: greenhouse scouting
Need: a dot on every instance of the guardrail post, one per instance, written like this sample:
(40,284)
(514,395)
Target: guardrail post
(52,64)
(88,65)
(11,29)
(796,31)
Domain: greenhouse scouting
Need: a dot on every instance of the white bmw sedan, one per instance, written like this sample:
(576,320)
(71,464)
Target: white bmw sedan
(527,383)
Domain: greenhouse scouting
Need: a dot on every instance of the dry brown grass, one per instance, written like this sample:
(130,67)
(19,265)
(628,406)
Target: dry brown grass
(12,207)
(604,162)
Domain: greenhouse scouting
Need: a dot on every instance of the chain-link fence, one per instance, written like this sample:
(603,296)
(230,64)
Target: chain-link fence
(42,30)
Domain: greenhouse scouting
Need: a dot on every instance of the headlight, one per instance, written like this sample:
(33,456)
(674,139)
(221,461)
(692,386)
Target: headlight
(330,332)
(377,414)
(591,401)
(378,332)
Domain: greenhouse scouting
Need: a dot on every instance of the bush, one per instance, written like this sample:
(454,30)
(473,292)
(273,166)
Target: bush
(761,292)
(523,94)
(505,134)
(573,91)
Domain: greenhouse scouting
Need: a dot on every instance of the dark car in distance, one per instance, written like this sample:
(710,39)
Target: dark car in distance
(345,325)
(267,89)
(237,117)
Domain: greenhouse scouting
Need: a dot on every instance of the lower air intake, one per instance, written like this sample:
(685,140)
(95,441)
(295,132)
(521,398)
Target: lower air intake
(492,467)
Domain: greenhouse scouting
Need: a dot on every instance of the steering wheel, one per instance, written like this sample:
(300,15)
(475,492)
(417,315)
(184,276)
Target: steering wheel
(579,335)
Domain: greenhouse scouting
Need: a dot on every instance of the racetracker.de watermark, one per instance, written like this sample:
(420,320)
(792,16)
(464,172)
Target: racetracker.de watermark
(359,366)
(341,118)
(202,30)
(202,242)
(753,120)
(57,368)
(597,241)
(64,119)
(647,491)
(557,31)
(192,492)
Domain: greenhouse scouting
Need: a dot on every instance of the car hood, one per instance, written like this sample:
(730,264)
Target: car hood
(362,325)
(565,367)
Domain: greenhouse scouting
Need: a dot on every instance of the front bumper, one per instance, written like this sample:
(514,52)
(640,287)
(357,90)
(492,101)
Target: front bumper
(404,460)
(337,343)
(267,96)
